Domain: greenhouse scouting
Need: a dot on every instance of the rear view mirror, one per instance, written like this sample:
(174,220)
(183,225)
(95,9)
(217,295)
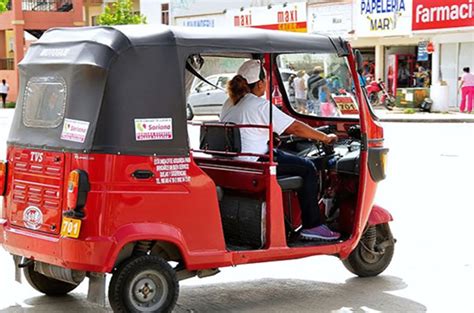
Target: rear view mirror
(359,61)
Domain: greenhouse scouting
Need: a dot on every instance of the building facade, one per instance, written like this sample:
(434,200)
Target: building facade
(413,45)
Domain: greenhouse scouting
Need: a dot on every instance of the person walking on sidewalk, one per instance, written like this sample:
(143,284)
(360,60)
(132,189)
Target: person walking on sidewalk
(467,90)
(4,92)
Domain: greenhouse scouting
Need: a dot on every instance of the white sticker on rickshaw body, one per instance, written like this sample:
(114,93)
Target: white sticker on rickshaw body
(172,170)
(74,130)
(153,129)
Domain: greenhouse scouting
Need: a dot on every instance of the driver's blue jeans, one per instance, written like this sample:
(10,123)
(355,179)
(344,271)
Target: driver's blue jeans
(289,164)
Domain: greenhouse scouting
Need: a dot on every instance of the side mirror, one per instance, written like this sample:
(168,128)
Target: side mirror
(359,61)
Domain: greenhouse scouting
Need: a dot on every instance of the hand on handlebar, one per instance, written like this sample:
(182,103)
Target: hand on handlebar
(330,139)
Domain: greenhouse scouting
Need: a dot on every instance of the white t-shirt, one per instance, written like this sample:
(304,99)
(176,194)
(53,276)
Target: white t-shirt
(4,88)
(300,88)
(254,110)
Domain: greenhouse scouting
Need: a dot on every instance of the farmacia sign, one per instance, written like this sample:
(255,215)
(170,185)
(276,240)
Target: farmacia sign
(429,14)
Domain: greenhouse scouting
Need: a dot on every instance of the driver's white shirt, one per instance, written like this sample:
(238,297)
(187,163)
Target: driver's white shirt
(254,110)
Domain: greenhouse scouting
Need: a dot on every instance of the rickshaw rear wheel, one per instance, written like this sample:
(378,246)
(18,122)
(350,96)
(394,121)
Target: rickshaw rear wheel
(47,285)
(143,284)
(374,252)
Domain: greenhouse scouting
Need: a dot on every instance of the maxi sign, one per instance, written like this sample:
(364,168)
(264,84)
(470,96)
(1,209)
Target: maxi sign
(290,17)
(382,17)
(429,14)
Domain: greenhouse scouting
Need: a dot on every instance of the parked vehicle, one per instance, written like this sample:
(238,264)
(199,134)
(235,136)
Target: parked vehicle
(379,95)
(206,99)
(100,178)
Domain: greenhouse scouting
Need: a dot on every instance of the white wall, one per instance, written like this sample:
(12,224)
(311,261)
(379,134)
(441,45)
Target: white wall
(152,10)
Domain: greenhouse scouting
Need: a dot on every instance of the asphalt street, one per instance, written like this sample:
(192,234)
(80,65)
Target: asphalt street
(430,193)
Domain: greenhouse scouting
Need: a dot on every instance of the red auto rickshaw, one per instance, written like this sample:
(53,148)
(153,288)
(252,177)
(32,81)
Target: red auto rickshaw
(100,177)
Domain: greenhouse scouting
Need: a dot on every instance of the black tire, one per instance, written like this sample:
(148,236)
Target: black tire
(374,99)
(189,112)
(365,263)
(48,286)
(389,103)
(127,291)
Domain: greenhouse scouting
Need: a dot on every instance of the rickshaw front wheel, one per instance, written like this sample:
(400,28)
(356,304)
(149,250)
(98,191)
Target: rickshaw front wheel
(47,285)
(374,252)
(143,284)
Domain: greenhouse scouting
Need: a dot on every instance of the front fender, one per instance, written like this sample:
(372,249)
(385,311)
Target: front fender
(379,215)
(146,231)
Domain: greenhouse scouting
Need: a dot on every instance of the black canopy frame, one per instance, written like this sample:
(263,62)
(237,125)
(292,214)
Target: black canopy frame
(116,75)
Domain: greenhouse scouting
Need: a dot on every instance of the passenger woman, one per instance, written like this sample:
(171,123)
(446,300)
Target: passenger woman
(245,106)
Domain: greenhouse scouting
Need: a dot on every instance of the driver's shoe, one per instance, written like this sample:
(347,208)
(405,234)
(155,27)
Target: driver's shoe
(319,232)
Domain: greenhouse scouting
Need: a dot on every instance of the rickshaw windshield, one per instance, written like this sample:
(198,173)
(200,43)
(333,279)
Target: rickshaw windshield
(318,84)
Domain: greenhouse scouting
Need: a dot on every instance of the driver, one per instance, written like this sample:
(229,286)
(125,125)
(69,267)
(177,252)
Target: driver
(244,106)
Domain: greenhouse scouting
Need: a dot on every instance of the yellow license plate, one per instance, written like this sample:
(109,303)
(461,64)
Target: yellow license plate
(70,227)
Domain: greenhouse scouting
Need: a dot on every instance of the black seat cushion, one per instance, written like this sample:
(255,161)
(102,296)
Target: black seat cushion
(288,183)
(220,137)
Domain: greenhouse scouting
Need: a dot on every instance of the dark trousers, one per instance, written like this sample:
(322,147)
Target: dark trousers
(289,164)
(4,98)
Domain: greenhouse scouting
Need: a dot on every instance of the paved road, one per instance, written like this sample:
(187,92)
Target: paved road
(430,192)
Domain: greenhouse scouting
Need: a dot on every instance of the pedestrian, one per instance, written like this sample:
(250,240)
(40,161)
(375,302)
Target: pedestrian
(4,88)
(467,88)
(291,90)
(318,90)
(403,75)
(300,92)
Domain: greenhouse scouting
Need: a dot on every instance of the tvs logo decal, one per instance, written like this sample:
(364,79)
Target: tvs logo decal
(36,157)
(33,217)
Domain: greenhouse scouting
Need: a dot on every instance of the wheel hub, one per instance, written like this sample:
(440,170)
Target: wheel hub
(145,290)
(148,291)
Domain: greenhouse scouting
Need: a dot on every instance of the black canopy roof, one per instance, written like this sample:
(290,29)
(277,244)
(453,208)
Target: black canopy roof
(116,75)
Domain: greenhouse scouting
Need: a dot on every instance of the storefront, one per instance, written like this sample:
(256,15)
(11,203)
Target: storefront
(383,33)
(380,27)
(450,25)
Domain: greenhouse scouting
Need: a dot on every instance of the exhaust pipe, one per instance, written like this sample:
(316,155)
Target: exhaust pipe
(60,273)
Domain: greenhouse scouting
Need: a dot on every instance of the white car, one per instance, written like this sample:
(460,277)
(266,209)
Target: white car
(206,99)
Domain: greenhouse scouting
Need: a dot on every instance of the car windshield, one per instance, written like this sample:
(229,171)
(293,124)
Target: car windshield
(318,84)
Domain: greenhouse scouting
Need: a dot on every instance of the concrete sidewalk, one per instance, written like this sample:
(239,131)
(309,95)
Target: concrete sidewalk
(398,115)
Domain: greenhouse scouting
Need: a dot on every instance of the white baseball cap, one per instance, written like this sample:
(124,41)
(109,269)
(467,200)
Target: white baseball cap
(251,71)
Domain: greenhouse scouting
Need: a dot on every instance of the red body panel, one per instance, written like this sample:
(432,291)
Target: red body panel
(36,180)
(379,215)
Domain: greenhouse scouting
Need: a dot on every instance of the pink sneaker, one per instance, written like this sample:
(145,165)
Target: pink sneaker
(320,232)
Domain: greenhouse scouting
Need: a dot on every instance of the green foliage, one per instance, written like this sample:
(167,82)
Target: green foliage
(3,5)
(409,111)
(10,105)
(121,13)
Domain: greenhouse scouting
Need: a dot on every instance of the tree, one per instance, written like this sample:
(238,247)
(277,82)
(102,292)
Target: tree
(121,13)
(3,5)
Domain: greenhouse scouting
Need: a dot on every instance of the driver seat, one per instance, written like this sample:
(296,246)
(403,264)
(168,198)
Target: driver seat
(222,139)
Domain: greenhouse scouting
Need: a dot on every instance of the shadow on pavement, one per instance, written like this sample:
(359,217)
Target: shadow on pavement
(71,303)
(265,295)
(278,295)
